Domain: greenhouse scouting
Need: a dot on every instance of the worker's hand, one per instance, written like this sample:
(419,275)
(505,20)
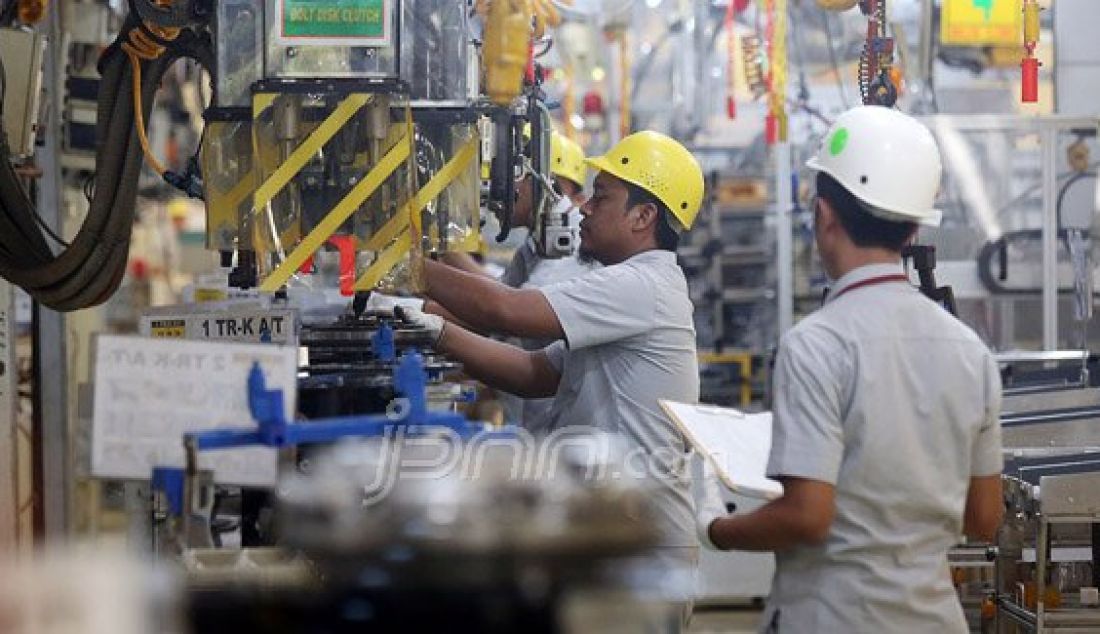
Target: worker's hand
(415,317)
(708,506)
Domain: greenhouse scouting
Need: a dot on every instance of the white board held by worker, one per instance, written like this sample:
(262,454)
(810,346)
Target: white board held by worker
(736,444)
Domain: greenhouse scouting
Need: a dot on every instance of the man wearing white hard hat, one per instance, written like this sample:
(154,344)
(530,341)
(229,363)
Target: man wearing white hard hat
(886,434)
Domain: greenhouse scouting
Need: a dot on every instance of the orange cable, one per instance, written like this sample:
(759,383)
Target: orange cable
(143,47)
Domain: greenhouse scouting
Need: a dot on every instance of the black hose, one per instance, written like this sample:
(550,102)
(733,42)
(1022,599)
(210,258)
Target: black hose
(93,265)
(996,248)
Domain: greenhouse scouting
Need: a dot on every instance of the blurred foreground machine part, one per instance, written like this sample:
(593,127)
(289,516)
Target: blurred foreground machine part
(496,536)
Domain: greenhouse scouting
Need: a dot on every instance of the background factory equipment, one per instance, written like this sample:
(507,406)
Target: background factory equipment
(212,418)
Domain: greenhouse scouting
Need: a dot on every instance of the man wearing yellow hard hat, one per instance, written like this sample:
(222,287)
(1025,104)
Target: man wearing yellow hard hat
(568,169)
(623,334)
(567,166)
(528,269)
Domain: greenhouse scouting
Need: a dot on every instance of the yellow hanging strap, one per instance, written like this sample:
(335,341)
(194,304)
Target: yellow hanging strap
(384,263)
(778,97)
(241,190)
(398,226)
(340,213)
(427,194)
(304,152)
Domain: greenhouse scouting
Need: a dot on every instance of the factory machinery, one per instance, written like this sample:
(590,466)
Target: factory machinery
(1043,573)
(346,140)
(522,539)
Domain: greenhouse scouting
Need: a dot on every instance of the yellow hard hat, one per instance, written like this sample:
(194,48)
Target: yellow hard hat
(567,159)
(662,167)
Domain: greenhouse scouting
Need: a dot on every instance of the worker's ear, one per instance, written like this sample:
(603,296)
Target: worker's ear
(825,218)
(646,216)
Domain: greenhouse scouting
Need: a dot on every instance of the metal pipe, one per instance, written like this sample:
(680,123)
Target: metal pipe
(190,486)
(1041,547)
(1048,144)
(926,56)
(784,239)
(9,438)
(1064,416)
(53,481)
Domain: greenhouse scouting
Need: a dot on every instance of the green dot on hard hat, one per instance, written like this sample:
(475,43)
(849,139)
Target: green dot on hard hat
(838,142)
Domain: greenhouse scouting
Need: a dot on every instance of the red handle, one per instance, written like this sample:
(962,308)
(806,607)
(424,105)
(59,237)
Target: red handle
(1029,85)
(731,56)
(345,246)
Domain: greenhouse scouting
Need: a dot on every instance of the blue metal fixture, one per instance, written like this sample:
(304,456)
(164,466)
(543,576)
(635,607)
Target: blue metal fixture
(274,430)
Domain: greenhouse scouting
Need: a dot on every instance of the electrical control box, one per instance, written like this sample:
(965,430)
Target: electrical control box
(21,53)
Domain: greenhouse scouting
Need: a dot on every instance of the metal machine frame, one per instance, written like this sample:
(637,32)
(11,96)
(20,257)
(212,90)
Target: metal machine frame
(1047,127)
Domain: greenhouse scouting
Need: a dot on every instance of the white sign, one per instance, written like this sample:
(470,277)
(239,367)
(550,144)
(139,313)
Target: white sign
(251,326)
(735,443)
(149,392)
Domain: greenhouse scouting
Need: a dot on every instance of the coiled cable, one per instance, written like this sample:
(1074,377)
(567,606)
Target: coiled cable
(89,270)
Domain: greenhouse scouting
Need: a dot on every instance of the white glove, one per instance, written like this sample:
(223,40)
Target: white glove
(415,317)
(382,303)
(708,503)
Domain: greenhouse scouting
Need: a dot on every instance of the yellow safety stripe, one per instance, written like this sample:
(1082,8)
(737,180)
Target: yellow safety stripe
(778,67)
(384,263)
(312,144)
(434,187)
(262,102)
(341,212)
(384,235)
(241,190)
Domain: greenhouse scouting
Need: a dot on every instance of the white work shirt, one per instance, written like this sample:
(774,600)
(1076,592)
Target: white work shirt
(885,395)
(629,341)
(529,270)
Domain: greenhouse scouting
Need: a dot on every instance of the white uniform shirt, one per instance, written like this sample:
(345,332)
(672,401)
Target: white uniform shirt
(528,270)
(630,340)
(885,395)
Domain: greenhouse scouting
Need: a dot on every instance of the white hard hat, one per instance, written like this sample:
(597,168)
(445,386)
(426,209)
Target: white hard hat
(886,159)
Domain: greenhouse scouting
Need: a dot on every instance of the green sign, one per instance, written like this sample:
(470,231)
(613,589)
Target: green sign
(335,22)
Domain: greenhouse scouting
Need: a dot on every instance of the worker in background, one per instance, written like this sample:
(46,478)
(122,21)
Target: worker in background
(886,436)
(528,269)
(623,333)
(567,168)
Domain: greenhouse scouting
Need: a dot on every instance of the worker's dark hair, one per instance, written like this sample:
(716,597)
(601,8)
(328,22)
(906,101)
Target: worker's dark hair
(864,229)
(667,238)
